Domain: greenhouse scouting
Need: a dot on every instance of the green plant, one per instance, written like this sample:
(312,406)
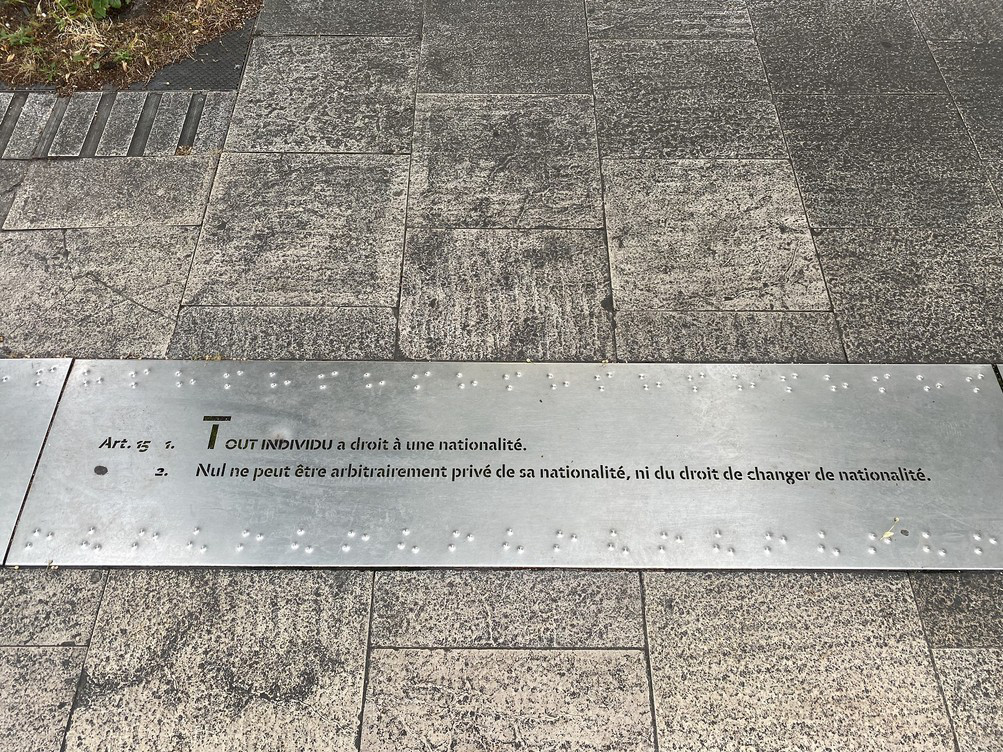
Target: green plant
(20,37)
(100,8)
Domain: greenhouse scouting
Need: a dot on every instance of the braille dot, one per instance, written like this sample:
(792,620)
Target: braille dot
(406,531)
(240,546)
(978,552)
(345,547)
(942,552)
(556,547)
(506,545)
(520,549)
(820,547)
(365,536)
(415,549)
(400,545)
(872,550)
(451,546)
(308,549)
(294,545)
(470,536)
(301,531)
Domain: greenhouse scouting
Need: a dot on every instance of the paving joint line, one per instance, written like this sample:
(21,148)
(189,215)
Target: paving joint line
(647,659)
(369,652)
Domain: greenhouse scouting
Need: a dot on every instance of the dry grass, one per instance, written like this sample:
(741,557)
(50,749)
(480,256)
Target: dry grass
(66,44)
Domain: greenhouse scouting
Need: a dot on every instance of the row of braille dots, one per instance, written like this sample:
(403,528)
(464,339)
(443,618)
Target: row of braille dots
(38,372)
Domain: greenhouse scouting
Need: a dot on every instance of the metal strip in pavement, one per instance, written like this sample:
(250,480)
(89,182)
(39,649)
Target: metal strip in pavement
(480,464)
(29,391)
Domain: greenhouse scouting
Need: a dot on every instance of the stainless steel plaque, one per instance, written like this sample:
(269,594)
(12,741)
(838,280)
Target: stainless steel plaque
(448,464)
(29,391)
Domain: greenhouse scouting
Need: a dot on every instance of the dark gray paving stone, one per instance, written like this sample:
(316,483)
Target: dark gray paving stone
(97,293)
(709,235)
(48,606)
(505,47)
(74,125)
(167,125)
(973,688)
(657,98)
(120,128)
(276,333)
(302,229)
(380,18)
(791,661)
(505,161)
(974,74)
(500,699)
(728,337)
(843,47)
(214,122)
(507,609)
(238,659)
(36,691)
(505,295)
(971,20)
(331,94)
(916,296)
(668,19)
(887,161)
(140,191)
(24,141)
(961,609)
(11,175)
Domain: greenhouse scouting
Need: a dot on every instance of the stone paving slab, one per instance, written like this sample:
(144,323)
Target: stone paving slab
(493,699)
(961,609)
(11,175)
(973,688)
(331,94)
(214,122)
(165,134)
(505,161)
(970,20)
(791,661)
(376,18)
(505,295)
(74,125)
(973,73)
(507,609)
(709,235)
(658,98)
(34,114)
(916,296)
(668,19)
(302,229)
(505,47)
(224,659)
(120,128)
(36,690)
(107,292)
(45,607)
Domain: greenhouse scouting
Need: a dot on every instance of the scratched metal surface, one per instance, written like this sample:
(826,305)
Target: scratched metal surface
(99,500)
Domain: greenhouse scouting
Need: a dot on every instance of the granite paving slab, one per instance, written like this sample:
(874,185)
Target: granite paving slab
(120,128)
(74,125)
(505,47)
(505,295)
(376,18)
(970,20)
(214,122)
(974,74)
(888,161)
(506,699)
(102,293)
(302,229)
(659,98)
(973,687)
(331,94)
(224,659)
(172,109)
(284,333)
(709,235)
(792,661)
(11,175)
(668,19)
(728,337)
(505,161)
(33,117)
(48,607)
(916,296)
(36,690)
(961,609)
(507,609)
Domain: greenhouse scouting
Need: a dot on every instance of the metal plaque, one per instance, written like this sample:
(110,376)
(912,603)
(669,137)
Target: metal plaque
(479,464)
(29,391)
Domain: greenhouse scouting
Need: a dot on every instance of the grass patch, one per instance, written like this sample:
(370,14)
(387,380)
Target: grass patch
(91,44)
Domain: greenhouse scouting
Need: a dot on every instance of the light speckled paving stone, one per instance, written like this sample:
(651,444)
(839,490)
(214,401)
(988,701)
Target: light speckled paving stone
(974,74)
(961,609)
(658,98)
(97,294)
(48,606)
(668,19)
(505,295)
(709,235)
(507,609)
(791,662)
(23,142)
(214,122)
(916,295)
(728,337)
(120,128)
(331,94)
(11,175)
(505,699)
(167,125)
(843,47)
(276,333)
(973,688)
(505,161)
(76,121)
(36,691)
(377,18)
(505,47)
(889,161)
(130,192)
(225,659)
(302,229)
(971,20)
